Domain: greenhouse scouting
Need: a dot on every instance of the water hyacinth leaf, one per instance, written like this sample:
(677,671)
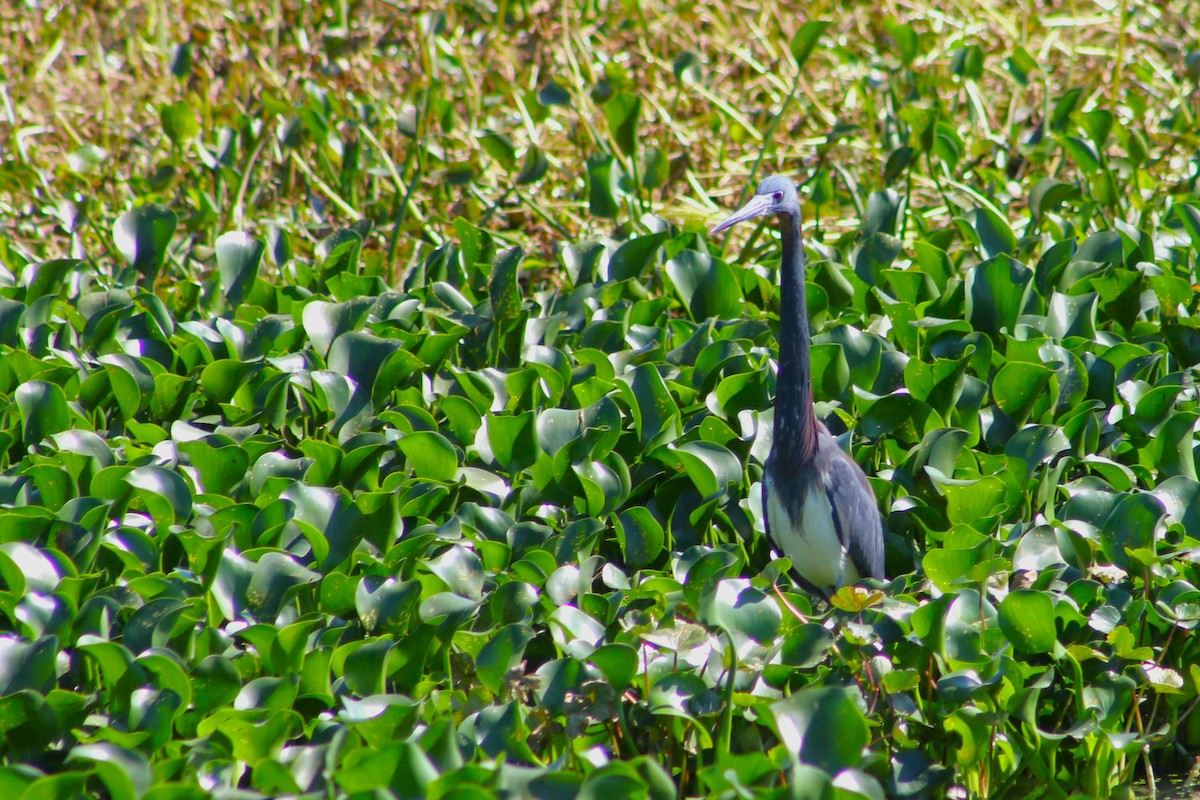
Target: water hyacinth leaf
(231,583)
(553,94)
(655,414)
(500,654)
(274,581)
(921,127)
(633,257)
(622,112)
(143,236)
(125,773)
(656,168)
(1027,619)
(47,277)
(1018,385)
(605,177)
(178,121)
(130,381)
(535,166)
(339,252)
(804,720)
(431,455)
(386,604)
(1188,215)
(973,503)
(152,624)
(222,464)
(806,646)
(513,440)
(327,518)
(28,568)
(706,285)
(1180,497)
(87,159)
(571,627)
(504,291)
(1048,194)
(1033,446)
(402,769)
(461,570)
(734,605)
(883,210)
(255,734)
(165,494)
(996,292)
(324,322)
(618,663)
(499,147)
(215,682)
(238,257)
(711,467)
(640,535)
(361,357)
(27,666)
(44,410)
(1132,525)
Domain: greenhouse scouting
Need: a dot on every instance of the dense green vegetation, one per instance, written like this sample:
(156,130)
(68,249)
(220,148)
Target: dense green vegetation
(378,420)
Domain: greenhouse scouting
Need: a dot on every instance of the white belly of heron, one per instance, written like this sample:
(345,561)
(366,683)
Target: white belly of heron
(811,542)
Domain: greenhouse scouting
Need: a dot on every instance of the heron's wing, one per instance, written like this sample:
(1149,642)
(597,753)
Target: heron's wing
(855,515)
(766,516)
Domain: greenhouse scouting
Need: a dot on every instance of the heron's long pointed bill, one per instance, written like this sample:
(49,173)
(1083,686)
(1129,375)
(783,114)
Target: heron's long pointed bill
(759,204)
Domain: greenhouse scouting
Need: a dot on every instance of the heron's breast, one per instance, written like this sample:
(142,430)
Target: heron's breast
(803,530)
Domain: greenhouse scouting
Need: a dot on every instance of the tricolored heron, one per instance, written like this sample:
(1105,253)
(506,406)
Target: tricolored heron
(820,510)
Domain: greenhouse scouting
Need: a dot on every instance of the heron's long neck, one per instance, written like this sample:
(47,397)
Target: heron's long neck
(795,424)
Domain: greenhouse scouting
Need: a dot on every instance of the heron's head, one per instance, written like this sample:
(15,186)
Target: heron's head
(775,195)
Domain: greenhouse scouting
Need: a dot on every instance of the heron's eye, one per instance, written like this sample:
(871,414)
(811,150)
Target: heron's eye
(777,196)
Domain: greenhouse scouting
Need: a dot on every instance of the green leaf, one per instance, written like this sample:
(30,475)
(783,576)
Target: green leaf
(618,663)
(1132,525)
(500,147)
(803,723)
(640,536)
(622,111)
(605,177)
(706,286)
(922,126)
(178,122)
(430,454)
(1027,619)
(1048,194)
(996,293)
(711,467)
(143,236)
(655,414)
(44,411)
(27,666)
(165,494)
(734,605)
(126,774)
(806,39)
(238,257)
(990,232)
(500,654)
(535,166)
(1189,216)
(504,291)
(633,257)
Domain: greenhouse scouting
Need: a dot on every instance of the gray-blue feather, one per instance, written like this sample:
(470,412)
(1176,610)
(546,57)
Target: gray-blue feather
(855,515)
